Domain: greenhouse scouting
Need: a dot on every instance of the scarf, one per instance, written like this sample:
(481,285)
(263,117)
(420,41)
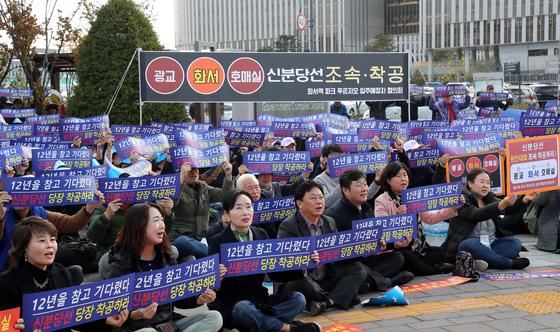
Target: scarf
(419,244)
(237,234)
(267,192)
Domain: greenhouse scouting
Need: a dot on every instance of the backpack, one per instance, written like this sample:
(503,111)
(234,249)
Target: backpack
(464,266)
(532,218)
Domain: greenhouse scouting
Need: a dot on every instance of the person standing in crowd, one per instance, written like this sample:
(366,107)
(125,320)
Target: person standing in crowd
(419,257)
(476,228)
(34,250)
(494,104)
(339,108)
(243,301)
(414,104)
(192,210)
(377,109)
(547,206)
(52,108)
(383,270)
(143,246)
(448,109)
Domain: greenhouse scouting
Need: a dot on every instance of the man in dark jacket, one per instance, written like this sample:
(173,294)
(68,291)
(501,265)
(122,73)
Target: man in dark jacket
(491,103)
(377,109)
(382,269)
(327,284)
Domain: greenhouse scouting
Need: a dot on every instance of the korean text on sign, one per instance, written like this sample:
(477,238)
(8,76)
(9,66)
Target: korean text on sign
(459,168)
(44,119)
(130,190)
(14,155)
(16,93)
(17,113)
(89,130)
(349,244)
(533,126)
(532,164)
(430,137)
(366,162)
(151,144)
(16,131)
(315,147)
(209,157)
(485,112)
(237,139)
(51,191)
(277,161)
(293,129)
(462,147)
(505,129)
(63,308)
(72,158)
(273,209)
(435,197)
(176,282)
(200,140)
(492,96)
(420,158)
(467,122)
(451,90)
(385,130)
(395,228)
(8,319)
(141,168)
(264,256)
(98,172)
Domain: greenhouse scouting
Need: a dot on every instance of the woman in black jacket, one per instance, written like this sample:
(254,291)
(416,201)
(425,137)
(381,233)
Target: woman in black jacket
(243,301)
(142,245)
(476,229)
(34,247)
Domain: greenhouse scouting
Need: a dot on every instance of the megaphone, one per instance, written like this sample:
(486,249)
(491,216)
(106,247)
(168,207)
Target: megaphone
(394,297)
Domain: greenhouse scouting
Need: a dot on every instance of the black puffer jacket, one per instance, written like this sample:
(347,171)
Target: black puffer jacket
(469,215)
(125,263)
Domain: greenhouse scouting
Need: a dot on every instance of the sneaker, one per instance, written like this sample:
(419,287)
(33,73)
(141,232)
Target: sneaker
(306,327)
(480,265)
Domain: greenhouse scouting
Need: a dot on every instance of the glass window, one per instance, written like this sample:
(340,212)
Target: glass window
(541,52)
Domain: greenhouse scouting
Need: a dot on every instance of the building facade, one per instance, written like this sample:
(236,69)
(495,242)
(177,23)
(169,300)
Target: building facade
(522,31)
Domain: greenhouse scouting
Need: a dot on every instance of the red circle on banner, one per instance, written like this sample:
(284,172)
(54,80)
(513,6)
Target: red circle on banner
(205,75)
(472,163)
(491,163)
(456,168)
(245,76)
(164,75)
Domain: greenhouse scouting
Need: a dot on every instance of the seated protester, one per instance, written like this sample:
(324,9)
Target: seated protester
(143,246)
(192,210)
(494,104)
(328,284)
(288,144)
(419,257)
(419,176)
(241,299)
(476,229)
(106,223)
(382,269)
(547,206)
(34,250)
(271,189)
(11,216)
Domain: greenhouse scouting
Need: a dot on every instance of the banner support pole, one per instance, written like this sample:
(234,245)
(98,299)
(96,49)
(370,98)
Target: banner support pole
(139,85)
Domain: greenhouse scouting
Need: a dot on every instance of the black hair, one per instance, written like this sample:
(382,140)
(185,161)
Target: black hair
(476,172)
(231,198)
(306,187)
(349,176)
(390,172)
(272,148)
(331,148)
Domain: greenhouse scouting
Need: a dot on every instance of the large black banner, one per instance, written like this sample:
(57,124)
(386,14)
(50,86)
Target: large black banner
(272,77)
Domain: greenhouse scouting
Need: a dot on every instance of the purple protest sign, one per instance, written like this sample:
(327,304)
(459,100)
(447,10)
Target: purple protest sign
(349,244)
(155,143)
(277,161)
(72,158)
(44,119)
(366,162)
(395,228)
(434,197)
(131,190)
(238,139)
(198,158)
(273,209)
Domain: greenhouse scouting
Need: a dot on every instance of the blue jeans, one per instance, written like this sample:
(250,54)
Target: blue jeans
(245,314)
(499,254)
(188,246)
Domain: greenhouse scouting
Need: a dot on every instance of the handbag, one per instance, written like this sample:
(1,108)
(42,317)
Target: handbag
(85,247)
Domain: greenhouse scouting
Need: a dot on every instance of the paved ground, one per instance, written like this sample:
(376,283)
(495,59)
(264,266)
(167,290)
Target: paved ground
(512,306)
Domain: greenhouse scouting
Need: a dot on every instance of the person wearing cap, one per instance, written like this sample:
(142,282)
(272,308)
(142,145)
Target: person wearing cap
(288,144)
(339,108)
(494,104)
(420,176)
(52,108)
(447,109)
(192,210)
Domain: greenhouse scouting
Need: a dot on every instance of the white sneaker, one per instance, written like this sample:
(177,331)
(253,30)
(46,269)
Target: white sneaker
(480,265)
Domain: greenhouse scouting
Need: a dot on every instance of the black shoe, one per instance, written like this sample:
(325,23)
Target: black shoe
(363,288)
(317,307)
(401,278)
(520,263)
(446,268)
(306,327)
(356,300)
(297,322)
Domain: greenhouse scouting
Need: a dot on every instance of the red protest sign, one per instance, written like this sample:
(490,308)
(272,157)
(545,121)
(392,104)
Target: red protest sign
(532,164)
(8,319)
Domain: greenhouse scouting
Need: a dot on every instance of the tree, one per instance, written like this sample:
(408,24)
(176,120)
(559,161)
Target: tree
(381,43)
(23,29)
(287,43)
(266,49)
(118,30)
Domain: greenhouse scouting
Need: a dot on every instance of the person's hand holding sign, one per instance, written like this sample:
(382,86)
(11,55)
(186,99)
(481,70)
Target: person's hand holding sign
(145,313)
(462,200)
(399,144)
(4,198)
(403,243)
(112,207)
(117,320)
(375,141)
(444,160)
(531,196)
(89,208)
(242,170)
(76,142)
(401,209)
(227,168)
(310,168)
(223,271)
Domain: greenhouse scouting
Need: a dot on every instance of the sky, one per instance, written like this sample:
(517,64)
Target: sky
(163,14)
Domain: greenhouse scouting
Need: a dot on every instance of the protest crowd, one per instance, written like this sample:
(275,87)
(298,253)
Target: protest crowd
(185,214)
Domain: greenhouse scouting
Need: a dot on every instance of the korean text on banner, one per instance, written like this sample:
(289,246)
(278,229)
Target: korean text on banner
(348,244)
(8,319)
(460,166)
(237,139)
(72,158)
(461,147)
(209,157)
(366,162)
(277,161)
(89,129)
(130,190)
(151,144)
(273,209)
(385,130)
(395,228)
(420,158)
(434,197)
